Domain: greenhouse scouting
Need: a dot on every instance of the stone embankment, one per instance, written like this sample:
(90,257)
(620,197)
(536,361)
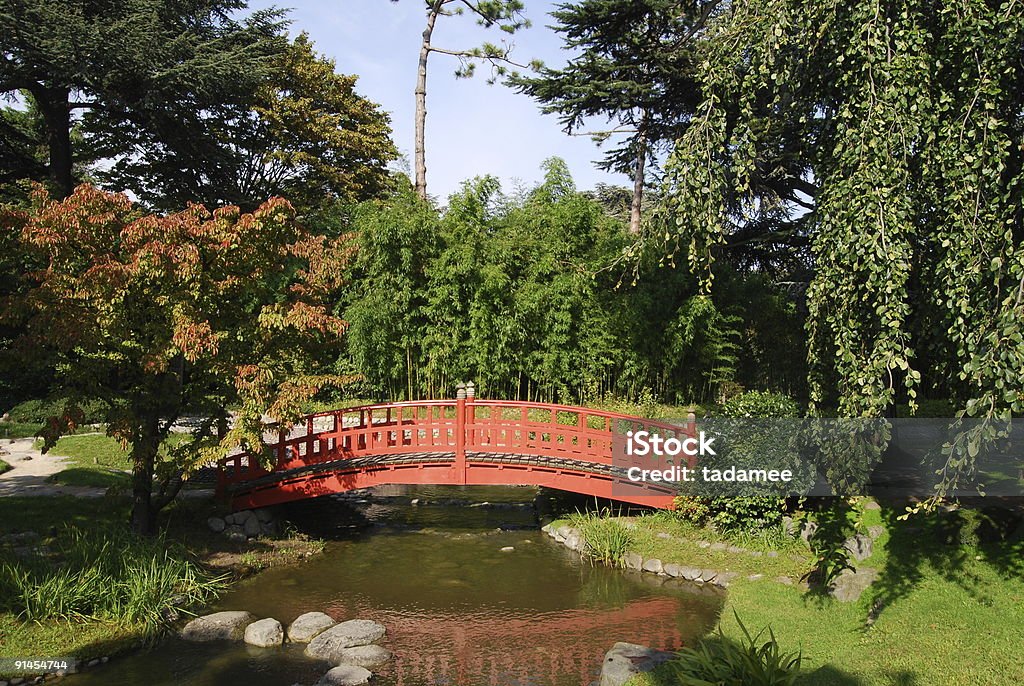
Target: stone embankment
(350,647)
(245,525)
(847,586)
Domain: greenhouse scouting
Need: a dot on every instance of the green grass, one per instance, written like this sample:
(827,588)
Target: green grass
(19,429)
(123,622)
(96,460)
(683,547)
(945,610)
(4,467)
(92,450)
(88,588)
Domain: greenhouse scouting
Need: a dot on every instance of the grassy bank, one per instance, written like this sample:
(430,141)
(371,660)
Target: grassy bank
(947,608)
(96,459)
(115,593)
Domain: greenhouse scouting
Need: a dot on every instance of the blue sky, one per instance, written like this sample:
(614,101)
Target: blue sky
(472,128)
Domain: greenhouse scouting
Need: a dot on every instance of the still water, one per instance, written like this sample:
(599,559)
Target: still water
(459,611)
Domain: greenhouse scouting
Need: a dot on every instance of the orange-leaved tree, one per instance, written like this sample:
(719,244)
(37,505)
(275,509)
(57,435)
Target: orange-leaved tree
(167,317)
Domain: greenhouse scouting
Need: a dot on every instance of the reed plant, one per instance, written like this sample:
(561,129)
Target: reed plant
(106,575)
(605,540)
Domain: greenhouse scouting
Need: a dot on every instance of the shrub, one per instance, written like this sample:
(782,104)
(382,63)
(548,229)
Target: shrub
(750,662)
(755,430)
(756,404)
(38,411)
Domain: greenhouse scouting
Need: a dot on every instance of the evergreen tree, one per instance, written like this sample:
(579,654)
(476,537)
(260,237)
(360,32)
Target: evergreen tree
(507,15)
(140,63)
(633,66)
(303,133)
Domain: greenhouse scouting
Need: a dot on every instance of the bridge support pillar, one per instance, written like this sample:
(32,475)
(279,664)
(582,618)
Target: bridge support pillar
(460,434)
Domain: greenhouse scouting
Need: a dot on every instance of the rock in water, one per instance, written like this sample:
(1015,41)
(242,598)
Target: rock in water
(653,565)
(308,626)
(266,633)
(345,675)
(220,626)
(626,660)
(363,656)
(355,632)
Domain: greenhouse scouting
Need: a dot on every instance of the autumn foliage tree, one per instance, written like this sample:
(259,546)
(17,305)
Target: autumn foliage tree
(162,317)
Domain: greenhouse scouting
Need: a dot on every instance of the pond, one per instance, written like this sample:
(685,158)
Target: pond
(458,609)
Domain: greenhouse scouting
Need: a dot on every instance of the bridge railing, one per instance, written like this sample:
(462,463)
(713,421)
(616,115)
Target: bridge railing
(559,430)
(451,426)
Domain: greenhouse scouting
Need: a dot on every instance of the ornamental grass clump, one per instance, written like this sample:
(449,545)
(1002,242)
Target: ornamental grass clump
(605,540)
(107,576)
(720,661)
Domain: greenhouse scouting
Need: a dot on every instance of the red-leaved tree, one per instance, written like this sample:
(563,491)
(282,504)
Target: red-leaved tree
(163,317)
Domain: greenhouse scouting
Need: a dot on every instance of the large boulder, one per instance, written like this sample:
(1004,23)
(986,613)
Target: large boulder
(355,632)
(626,660)
(252,527)
(363,656)
(216,524)
(266,633)
(345,675)
(308,626)
(220,626)
(850,584)
(859,547)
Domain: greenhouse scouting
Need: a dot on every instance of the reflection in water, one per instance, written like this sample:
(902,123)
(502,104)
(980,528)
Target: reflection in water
(458,609)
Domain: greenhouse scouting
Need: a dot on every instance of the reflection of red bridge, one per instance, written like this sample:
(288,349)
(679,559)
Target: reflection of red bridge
(464,441)
(505,649)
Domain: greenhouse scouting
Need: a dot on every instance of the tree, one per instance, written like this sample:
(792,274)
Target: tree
(507,15)
(304,133)
(900,123)
(633,65)
(160,317)
(151,63)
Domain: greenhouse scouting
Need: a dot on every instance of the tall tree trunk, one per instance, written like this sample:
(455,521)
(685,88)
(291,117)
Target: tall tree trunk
(638,178)
(421,103)
(54,105)
(144,451)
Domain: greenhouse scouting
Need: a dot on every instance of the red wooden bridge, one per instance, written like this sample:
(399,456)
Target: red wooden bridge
(462,441)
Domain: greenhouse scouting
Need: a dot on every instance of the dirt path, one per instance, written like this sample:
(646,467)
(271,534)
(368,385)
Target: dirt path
(31,471)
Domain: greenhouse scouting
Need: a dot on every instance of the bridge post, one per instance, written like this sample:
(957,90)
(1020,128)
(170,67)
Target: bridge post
(460,433)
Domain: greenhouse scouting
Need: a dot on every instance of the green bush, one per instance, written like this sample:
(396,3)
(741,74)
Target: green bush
(758,430)
(38,411)
(720,661)
(760,404)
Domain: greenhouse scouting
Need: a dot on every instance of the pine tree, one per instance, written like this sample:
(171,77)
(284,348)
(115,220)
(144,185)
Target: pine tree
(634,67)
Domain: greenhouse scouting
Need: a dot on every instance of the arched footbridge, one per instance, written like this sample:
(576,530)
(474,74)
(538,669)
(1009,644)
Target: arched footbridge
(462,441)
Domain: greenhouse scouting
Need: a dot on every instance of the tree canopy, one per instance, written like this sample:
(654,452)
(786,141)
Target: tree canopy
(632,66)
(162,317)
(143,63)
(891,131)
(303,133)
